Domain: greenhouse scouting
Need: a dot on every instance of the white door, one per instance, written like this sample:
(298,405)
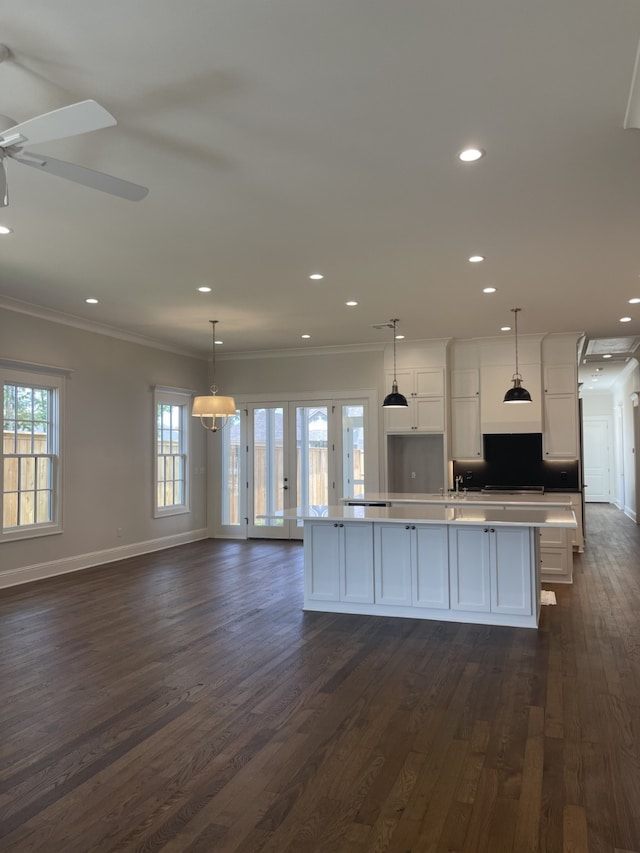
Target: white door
(596,455)
(287,465)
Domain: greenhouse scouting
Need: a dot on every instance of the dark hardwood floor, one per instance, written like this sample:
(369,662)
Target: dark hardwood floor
(182,701)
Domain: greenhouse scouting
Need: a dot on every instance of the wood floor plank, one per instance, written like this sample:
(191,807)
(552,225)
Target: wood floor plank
(156,704)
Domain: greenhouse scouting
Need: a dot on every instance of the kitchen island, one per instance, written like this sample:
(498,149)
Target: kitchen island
(556,544)
(463,563)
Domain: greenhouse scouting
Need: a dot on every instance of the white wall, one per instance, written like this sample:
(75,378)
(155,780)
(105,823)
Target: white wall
(301,371)
(623,413)
(108,447)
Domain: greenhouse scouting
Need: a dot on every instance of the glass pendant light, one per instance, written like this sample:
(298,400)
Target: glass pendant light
(394,400)
(517,394)
(211,406)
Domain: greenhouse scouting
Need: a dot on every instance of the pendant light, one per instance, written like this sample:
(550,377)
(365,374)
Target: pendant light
(517,394)
(210,407)
(394,400)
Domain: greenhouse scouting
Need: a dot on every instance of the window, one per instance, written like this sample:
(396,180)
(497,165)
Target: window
(30,472)
(172,452)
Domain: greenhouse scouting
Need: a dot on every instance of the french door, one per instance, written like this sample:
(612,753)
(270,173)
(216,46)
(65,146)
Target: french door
(278,455)
(289,464)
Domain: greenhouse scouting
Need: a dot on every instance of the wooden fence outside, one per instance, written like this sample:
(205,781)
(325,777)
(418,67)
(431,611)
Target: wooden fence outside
(32,475)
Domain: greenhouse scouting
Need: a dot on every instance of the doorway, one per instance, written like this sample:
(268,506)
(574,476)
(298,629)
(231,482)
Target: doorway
(597,456)
(281,454)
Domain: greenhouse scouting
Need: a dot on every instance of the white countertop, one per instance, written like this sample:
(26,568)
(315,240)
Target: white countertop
(525,500)
(461,513)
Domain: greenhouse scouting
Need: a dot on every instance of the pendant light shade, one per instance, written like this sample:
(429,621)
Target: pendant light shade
(211,406)
(517,394)
(394,400)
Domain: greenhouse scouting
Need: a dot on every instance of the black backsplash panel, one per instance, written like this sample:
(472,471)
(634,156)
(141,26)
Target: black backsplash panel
(514,460)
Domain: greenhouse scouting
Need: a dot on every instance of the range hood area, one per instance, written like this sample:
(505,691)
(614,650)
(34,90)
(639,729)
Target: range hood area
(515,460)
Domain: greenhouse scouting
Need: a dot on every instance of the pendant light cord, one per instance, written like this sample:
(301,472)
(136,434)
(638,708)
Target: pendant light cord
(515,311)
(395,377)
(214,387)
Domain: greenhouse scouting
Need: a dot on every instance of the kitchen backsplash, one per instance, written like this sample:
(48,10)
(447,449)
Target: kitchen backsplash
(515,460)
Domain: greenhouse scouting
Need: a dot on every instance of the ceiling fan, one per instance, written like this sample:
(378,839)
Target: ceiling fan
(72,120)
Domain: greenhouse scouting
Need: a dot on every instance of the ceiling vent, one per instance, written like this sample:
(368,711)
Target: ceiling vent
(603,350)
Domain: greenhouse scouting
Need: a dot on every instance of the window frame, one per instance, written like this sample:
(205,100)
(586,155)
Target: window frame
(54,383)
(182,398)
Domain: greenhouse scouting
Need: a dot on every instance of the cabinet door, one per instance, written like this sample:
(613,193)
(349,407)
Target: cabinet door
(556,565)
(357,562)
(560,379)
(393,564)
(465,383)
(431,574)
(400,420)
(322,547)
(429,382)
(560,426)
(429,414)
(512,569)
(465,436)
(469,568)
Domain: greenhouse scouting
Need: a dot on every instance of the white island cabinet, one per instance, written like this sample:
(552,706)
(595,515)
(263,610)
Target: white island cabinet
(462,564)
(412,564)
(491,569)
(338,556)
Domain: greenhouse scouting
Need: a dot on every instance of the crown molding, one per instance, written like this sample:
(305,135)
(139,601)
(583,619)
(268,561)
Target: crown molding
(59,317)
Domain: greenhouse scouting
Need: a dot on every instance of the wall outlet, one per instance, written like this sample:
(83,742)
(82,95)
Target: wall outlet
(119,533)
(413,475)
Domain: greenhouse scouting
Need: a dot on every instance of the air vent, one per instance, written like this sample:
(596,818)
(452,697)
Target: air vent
(386,325)
(610,350)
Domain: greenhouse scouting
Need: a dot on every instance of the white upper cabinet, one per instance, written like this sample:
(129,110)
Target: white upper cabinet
(466,439)
(561,378)
(424,389)
(465,382)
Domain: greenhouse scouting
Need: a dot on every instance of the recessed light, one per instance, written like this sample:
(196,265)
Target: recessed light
(316,276)
(5,230)
(488,289)
(607,355)
(306,337)
(218,343)
(505,328)
(634,300)
(476,259)
(399,337)
(351,303)
(204,289)
(625,319)
(470,155)
(91,301)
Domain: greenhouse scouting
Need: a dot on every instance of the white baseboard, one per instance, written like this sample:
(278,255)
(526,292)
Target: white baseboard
(39,571)
(630,513)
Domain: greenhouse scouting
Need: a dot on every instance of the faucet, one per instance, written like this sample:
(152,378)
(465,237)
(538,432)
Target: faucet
(458,483)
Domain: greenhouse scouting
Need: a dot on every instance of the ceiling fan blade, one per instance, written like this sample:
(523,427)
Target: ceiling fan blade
(58,124)
(82,175)
(4,194)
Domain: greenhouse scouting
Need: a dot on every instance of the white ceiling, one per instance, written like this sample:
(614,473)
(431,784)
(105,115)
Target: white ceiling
(280,138)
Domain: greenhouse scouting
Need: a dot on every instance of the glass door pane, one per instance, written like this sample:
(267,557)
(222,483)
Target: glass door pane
(312,458)
(352,451)
(231,509)
(269,480)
